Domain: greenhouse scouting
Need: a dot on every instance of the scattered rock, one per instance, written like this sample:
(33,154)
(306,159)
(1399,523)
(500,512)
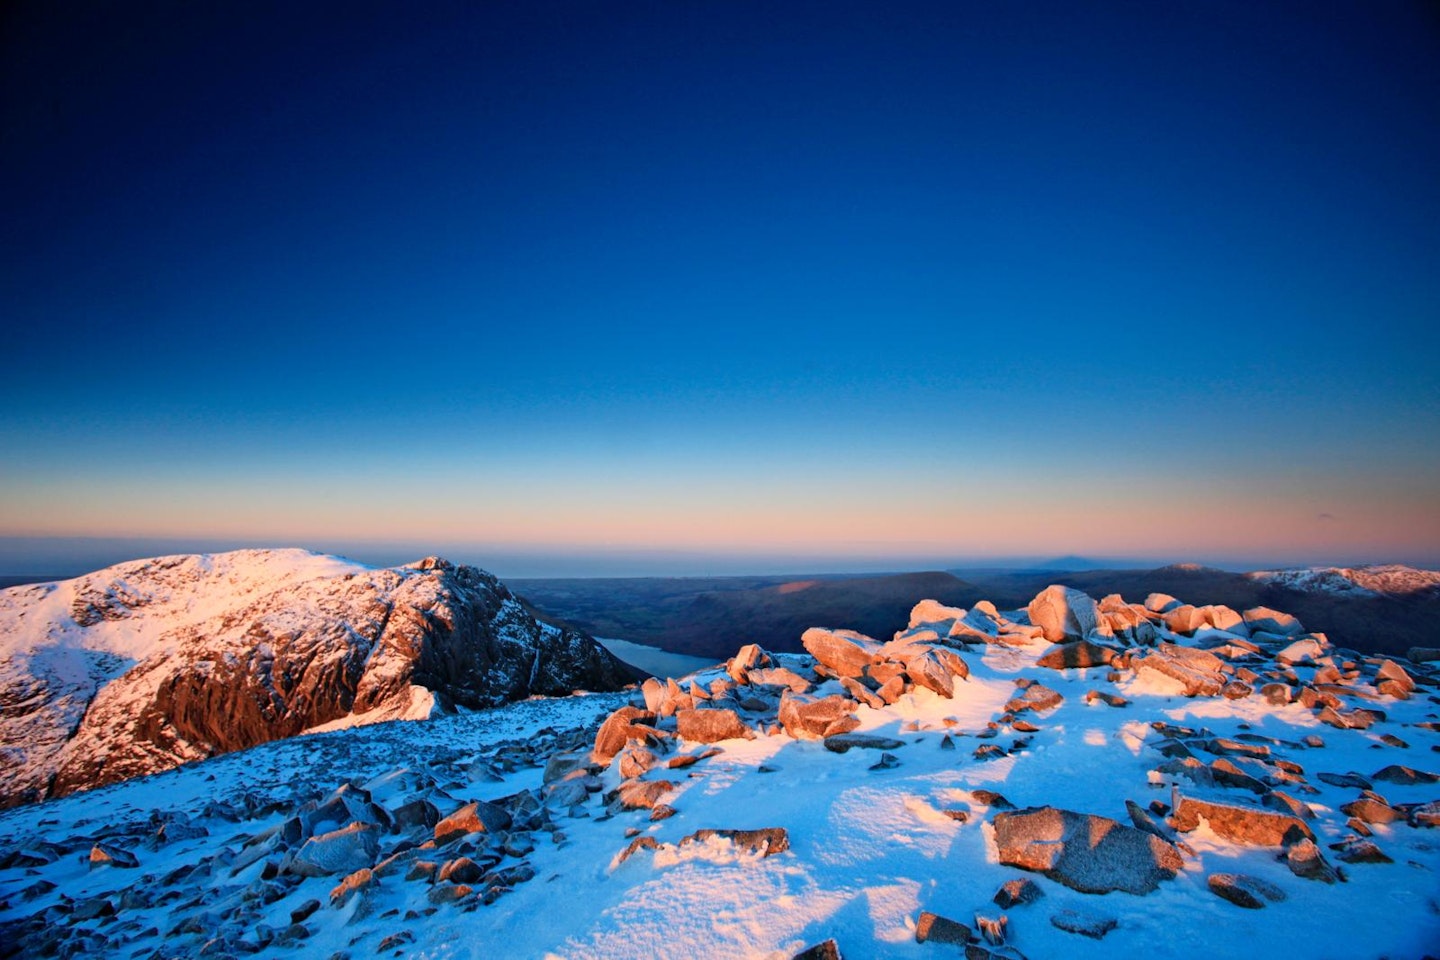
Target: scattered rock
(1019,891)
(1085,852)
(1252,826)
(710,726)
(339,851)
(766,841)
(1243,890)
(475,817)
(825,950)
(1089,925)
(842,742)
(932,926)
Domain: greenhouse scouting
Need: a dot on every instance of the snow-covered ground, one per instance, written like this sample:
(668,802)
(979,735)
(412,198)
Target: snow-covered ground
(1391,579)
(869,849)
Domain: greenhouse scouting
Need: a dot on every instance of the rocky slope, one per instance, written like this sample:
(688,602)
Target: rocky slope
(145,665)
(1078,779)
(1393,580)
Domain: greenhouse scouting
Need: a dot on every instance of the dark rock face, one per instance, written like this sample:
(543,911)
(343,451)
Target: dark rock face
(1087,853)
(278,653)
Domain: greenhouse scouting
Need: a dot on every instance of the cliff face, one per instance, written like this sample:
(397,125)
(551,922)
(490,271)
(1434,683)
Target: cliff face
(146,665)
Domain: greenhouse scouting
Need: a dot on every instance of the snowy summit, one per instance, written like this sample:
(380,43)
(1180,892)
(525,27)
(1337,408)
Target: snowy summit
(1076,779)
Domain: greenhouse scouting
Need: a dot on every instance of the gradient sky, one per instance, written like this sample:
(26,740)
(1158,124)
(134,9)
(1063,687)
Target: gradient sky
(745,279)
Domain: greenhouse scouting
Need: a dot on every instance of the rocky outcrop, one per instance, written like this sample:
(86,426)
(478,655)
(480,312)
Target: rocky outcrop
(1064,613)
(154,663)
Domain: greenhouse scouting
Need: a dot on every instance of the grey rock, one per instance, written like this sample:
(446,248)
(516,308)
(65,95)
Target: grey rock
(1085,852)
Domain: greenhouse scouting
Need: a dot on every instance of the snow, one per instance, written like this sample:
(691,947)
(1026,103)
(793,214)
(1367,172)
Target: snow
(870,848)
(1372,581)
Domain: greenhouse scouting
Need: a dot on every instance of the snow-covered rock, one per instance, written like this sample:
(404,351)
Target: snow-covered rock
(1394,580)
(145,665)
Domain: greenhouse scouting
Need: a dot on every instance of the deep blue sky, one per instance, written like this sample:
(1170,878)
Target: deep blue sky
(946,279)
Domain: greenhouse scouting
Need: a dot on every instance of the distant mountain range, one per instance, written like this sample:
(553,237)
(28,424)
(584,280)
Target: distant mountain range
(145,665)
(1385,609)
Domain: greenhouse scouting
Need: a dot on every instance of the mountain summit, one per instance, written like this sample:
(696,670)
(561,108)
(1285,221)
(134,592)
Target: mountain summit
(149,664)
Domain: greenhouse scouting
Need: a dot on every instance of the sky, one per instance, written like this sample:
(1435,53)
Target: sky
(829,283)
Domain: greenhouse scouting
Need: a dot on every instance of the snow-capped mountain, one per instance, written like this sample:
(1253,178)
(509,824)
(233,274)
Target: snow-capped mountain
(1078,779)
(145,665)
(1395,580)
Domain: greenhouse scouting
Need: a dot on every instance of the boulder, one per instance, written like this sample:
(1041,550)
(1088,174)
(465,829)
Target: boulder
(1243,890)
(475,817)
(806,718)
(747,658)
(1085,852)
(1197,671)
(1253,826)
(354,883)
(1265,620)
(622,726)
(1063,613)
(824,950)
(1078,653)
(1160,602)
(108,855)
(1086,924)
(1036,696)
(641,794)
(1398,773)
(710,726)
(844,652)
(339,851)
(779,677)
(932,926)
(1305,860)
(1014,893)
(934,613)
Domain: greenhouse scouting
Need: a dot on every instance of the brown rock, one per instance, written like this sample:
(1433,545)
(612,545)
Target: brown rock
(824,950)
(845,652)
(805,717)
(932,926)
(476,817)
(1252,893)
(766,841)
(1080,653)
(1368,810)
(861,693)
(710,726)
(642,794)
(1252,826)
(1063,613)
(1088,853)
(359,880)
(1305,860)
(622,726)
(1397,773)
(1013,893)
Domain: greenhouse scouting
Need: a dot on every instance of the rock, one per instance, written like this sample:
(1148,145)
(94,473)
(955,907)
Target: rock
(1160,602)
(622,726)
(927,670)
(766,841)
(1079,653)
(636,845)
(711,726)
(845,652)
(1063,613)
(1397,773)
(825,950)
(1265,620)
(779,677)
(1305,860)
(1036,696)
(932,926)
(1303,650)
(1199,672)
(1243,890)
(475,817)
(861,693)
(1351,779)
(747,658)
(1089,925)
(1361,851)
(443,893)
(1013,893)
(642,794)
(1368,810)
(339,851)
(302,913)
(418,813)
(805,717)
(460,870)
(361,879)
(935,614)
(1392,680)
(1423,654)
(108,855)
(887,761)
(1248,825)
(636,760)
(842,742)
(992,929)
(1088,853)
(991,799)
